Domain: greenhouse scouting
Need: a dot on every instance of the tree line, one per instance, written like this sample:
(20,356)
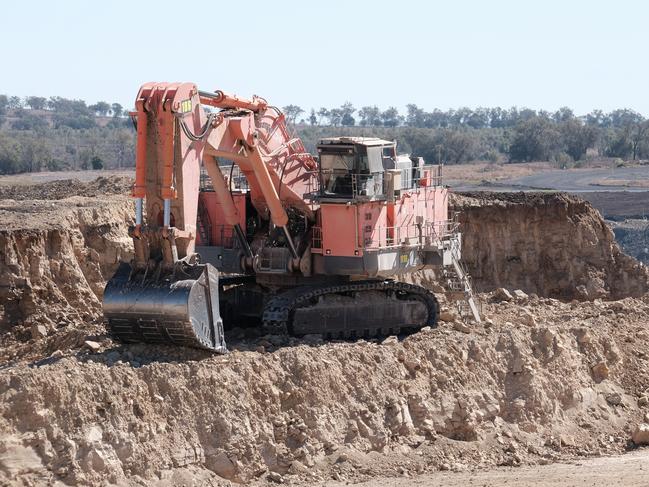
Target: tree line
(38,133)
(56,133)
(492,134)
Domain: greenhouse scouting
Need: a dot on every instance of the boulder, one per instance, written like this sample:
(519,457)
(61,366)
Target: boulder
(461,327)
(449,315)
(502,294)
(221,465)
(518,294)
(38,331)
(92,345)
(640,435)
(600,371)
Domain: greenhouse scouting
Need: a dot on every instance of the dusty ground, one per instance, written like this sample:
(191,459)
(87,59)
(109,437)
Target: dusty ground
(618,205)
(630,470)
(486,173)
(541,380)
(545,176)
(28,179)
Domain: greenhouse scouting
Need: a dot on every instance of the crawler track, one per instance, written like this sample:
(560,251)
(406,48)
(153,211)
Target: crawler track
(367,308)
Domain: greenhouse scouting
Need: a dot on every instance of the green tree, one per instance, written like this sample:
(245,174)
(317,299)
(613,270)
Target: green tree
(631,131)
(100,108)
(323,114)
(35,154)
(563,114)
(478,118)
(459,145)
(347,110)
(535,139)
(10,162)
(577,137)
(117,109)
(370,116)
(313,118)
(292,112)
(96,162)
(124,147)
(415,116)
(36,102)
(28,121)
(598,118)
(391,117)
(639,135)
(335,117)
(15,102)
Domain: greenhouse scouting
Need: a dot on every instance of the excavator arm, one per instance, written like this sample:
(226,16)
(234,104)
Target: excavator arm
(178,128)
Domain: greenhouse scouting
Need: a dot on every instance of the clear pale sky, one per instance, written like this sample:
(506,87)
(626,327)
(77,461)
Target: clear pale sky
(446,54)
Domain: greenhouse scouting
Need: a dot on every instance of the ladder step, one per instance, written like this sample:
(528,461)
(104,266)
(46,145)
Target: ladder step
(458,281)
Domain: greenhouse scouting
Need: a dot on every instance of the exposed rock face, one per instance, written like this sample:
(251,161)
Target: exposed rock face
(551,244)
(55,258)
(640,434)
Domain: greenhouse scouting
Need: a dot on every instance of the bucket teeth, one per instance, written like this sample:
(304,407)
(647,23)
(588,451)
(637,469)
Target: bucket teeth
(182,309)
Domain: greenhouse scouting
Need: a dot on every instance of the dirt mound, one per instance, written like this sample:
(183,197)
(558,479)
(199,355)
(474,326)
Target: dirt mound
(551,244)
(304,412)
(64,188)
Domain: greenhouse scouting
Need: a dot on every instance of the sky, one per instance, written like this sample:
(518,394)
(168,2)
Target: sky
(541,54)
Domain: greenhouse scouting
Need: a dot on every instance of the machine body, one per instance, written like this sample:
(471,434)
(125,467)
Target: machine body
(303,244)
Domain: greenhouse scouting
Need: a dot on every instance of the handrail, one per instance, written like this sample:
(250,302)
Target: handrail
(234,176)
(408,235)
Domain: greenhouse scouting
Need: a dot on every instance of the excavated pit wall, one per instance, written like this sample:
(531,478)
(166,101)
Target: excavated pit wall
(55,258)
(551,244)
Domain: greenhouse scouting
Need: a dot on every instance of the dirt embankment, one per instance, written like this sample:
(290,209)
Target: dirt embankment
(65,188)
(55,257)
(551,244)
(304,411)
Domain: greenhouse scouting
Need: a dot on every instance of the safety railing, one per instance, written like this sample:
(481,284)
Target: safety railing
(430,175)
(234,178)
(375,238)
(339,184)
(367,185)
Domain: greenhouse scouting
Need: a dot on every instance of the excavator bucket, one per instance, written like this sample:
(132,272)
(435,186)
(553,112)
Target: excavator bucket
(180,309)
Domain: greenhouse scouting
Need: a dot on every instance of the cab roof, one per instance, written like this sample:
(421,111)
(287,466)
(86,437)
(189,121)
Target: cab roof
(365,141)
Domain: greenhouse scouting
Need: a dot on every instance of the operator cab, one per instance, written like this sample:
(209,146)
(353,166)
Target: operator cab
(354,166)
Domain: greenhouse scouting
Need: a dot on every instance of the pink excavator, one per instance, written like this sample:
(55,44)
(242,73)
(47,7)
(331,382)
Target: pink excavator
(236,223)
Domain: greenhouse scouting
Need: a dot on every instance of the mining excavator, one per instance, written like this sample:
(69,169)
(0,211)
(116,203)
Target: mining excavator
(235,222)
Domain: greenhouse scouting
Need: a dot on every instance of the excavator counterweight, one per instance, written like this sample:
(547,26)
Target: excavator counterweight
(308,245)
